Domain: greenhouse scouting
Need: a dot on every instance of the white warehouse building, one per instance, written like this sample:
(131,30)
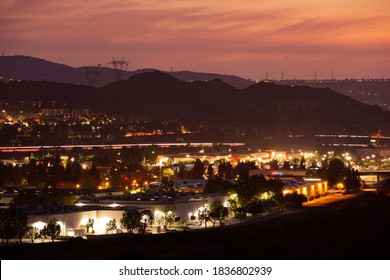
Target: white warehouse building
(73,222)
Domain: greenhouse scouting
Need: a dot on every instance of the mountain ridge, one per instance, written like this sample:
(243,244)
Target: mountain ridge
(264,108)
(22,67)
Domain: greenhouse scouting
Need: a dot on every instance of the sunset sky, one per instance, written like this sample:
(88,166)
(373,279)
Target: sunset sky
(246,37)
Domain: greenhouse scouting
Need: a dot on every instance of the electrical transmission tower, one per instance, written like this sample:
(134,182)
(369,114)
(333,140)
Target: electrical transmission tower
(284,111)
(308,114)
(91,75)
(119,67)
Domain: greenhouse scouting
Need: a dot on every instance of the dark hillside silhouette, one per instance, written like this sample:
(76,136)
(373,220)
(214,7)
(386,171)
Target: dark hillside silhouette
(266,107)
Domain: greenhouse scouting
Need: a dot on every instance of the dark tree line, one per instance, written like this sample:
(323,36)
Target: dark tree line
(13,224)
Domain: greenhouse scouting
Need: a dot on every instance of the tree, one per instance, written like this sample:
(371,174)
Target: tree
(248,189)
(386,186)
(269,204)
(170,215)
(111,226)
(146,219)
(198,170)
(130,220)
(225,170)
(204,215)
(255,207)
(56,170)
(210,172)
(33,233)
(19,224)
(302,163)
(233,205)
(182,172)
(167,185)
(90,225)
(52,229)
(218,212)
(240,213)
(274,164)
(275,186)
(294,200)
(95,175)
(25,199)
(286,165)
(242,170)
(8,133)
(73,171)
(217,185)
(13,224)
(336,171)
(352,179)
(5,225)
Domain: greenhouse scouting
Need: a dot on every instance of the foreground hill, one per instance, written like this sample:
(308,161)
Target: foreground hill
(263,108)
(356,229)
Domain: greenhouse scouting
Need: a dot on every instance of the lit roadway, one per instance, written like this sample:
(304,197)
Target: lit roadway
(11,149)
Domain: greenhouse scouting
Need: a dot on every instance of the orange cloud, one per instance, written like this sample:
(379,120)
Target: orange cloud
(203,35)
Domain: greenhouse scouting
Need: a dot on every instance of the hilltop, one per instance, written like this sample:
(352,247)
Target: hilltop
(29,68)
(261,109)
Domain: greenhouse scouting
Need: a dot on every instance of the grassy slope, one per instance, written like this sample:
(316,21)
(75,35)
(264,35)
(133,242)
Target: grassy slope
(356,229)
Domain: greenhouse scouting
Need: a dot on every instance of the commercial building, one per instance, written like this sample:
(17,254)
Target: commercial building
(73,220)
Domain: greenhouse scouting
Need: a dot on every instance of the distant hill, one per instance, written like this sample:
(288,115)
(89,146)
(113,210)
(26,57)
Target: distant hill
(263,108)
(35,69)
(369,91)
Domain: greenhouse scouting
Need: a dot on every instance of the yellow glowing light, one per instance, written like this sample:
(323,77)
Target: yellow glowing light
(286,192)
(135,191)
(39,225)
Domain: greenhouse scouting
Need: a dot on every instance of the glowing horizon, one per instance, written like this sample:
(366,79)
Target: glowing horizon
(227,37)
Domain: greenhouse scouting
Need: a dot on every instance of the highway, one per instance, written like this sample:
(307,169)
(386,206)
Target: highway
(113,146)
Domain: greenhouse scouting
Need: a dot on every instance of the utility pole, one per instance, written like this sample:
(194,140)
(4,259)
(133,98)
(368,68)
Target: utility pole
(91,75)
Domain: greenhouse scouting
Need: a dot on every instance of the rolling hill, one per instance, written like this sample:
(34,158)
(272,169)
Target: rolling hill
(265,108)
(35,69)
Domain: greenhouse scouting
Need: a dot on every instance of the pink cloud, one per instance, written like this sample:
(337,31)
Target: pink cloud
(244,39)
